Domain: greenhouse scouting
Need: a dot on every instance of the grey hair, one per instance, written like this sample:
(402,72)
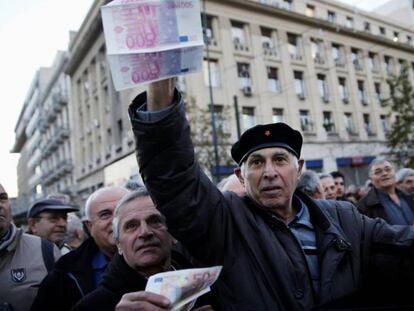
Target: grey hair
(324,175)
(141,192)
(93,197)
(375,162)
(74,224)
(309,182)
(403,173)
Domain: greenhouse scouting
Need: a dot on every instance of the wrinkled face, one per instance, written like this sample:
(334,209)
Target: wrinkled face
(382,175)
(270,176)
(340,186)
(101,214)
(51,225)
(5,212)
(329,188)
(143,237)
(407,185)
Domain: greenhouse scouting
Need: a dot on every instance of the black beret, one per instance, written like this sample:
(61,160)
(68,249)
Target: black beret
(264,136)
(49,205)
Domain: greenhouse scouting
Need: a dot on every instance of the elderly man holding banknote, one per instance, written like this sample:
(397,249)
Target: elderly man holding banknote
(144,249)
(280,249)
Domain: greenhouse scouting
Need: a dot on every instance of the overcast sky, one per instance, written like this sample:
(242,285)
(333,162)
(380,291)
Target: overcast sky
(31,31)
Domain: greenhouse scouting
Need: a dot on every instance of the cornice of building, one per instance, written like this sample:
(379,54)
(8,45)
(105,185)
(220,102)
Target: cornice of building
(315,23)
(90,29)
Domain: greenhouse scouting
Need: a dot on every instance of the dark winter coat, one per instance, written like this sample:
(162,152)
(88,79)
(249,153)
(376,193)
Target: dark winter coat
(371,205)
(119,279)
(264,267)
(70,280)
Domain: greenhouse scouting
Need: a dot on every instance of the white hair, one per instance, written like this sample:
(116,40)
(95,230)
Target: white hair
(94,196)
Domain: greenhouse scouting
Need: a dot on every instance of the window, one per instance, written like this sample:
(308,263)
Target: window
(316,50)
(361,93)
(209,35)
(337,55)
(299,84)
(389,68)
(305,121)
(355,57)
(249,120)
(214,73)
(384,120)
(323,88)
(328,122)
(409,40)
(349,123)
(377,88)
(373,61)
(243,72)
(310,10)
(238,34)
(367,26)
(367,123)
(293,46)
(273,79)
(402,63)
(268,41)
(277,115)
(349,22)
(396,36)
(343,90)
(287,5)
(382,31)
(331,17)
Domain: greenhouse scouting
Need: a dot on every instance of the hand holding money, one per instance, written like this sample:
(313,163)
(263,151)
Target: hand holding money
(183,287)
(143,301)
(151,40)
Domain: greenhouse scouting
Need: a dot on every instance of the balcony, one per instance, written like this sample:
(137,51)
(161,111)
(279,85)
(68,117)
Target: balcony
(339,62)
(270,52)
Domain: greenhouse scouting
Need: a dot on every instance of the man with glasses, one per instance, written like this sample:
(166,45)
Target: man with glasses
(47,218)
(22,262)
(384,200)
(80,271)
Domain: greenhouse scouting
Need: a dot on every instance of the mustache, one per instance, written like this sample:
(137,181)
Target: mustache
(154,243)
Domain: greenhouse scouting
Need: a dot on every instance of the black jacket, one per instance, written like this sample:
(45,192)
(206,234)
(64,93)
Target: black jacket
(119,279)
(371,205)
(264,267)
(70,280)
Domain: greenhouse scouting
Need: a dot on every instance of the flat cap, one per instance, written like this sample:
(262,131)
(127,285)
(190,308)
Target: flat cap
(49,205)
(265,136)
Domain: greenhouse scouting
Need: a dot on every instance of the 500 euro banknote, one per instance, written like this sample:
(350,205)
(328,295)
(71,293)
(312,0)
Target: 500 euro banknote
(129,70)
(183,287)
(151,25)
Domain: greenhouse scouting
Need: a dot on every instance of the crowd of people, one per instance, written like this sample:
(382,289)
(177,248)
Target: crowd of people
(287,239)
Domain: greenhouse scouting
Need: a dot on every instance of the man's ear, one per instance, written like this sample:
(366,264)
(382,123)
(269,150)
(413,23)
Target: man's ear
(300,166)
(119,248)
(31,223)
(88,225)
(237,172)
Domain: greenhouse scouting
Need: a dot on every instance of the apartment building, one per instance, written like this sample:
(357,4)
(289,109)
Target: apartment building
(27,142)
(320,66)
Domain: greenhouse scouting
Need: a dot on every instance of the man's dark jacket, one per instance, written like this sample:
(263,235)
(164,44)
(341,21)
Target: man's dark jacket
(264,267)
(119,279)
(371,205)
(70,280)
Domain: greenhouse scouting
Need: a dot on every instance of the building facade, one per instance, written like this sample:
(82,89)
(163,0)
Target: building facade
(319,66)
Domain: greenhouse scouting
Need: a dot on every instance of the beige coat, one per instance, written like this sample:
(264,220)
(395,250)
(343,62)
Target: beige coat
(21,270)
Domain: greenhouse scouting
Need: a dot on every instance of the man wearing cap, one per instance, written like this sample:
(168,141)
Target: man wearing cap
(22,262)
(47,218)
(80,271)
(280,250)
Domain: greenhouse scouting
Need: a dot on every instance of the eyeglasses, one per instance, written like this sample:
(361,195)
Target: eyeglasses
(4,197)
(379,171)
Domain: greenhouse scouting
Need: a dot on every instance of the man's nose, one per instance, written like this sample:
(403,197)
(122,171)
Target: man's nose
(144,230)
(269,169)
